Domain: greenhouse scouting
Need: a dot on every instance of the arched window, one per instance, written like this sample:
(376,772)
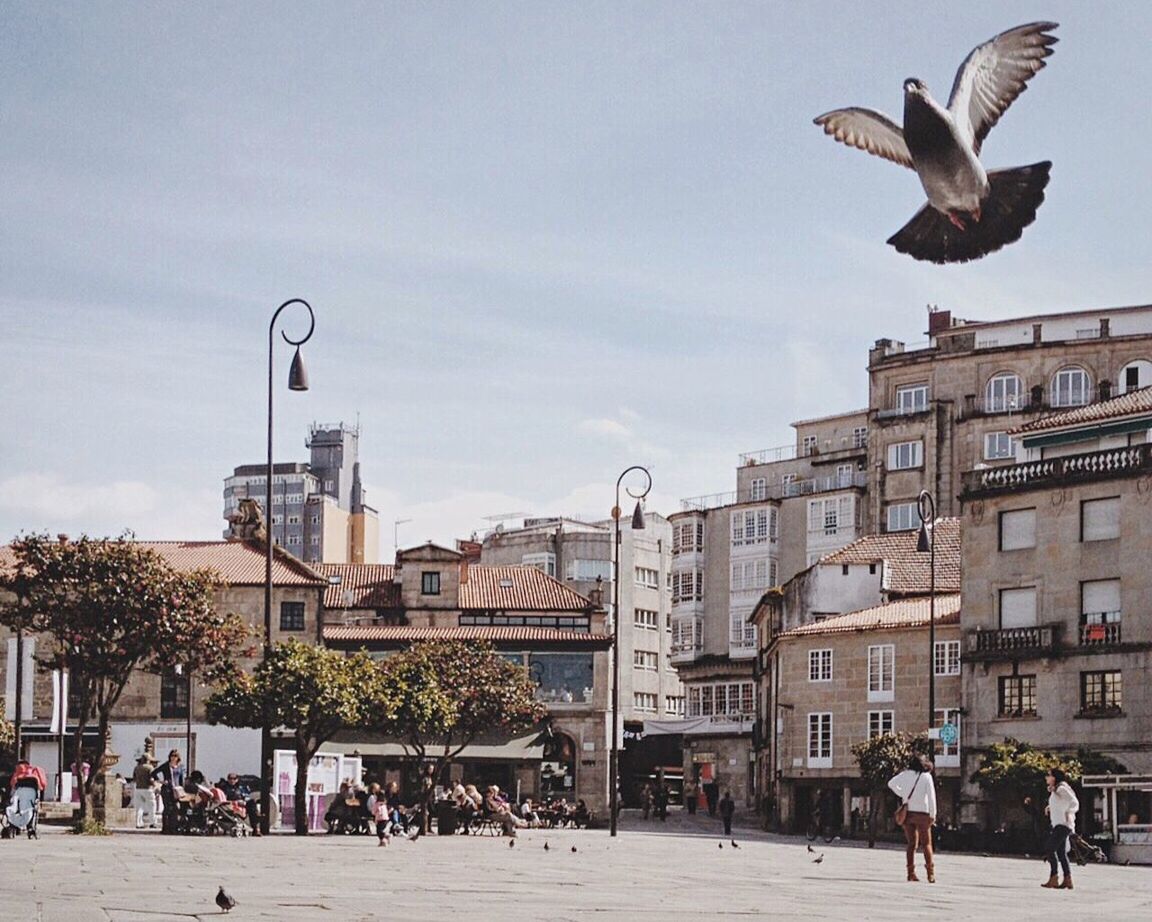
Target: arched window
(1133,376)
(1004,392)
(1071,387)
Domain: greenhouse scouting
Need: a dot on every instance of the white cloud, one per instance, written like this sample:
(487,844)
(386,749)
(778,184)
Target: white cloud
(609,428)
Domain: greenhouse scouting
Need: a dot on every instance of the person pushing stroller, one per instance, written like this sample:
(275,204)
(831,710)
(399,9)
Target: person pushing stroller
(26,792)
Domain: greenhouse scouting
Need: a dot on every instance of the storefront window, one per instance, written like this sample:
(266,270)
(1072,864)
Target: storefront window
(562,678)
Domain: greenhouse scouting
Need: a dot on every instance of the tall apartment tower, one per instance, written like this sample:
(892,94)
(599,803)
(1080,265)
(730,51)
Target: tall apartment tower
(318,508)
(580,555)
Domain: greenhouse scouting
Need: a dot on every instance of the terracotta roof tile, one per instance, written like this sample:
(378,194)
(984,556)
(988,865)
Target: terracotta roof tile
(517,588)
(907,568)
(362,585)
(239,563)
(899,614)
(380,633)
(1134,403)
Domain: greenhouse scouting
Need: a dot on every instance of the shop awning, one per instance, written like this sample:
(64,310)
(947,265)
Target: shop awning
(698,726)
(522,749)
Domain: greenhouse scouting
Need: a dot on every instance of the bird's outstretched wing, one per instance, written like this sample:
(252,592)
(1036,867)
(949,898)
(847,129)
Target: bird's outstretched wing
(868,130)
(994,74)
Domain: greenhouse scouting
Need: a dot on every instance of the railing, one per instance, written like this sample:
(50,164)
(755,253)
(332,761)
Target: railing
(1021,403)
(1092,634)
(1071,468)
(807,487)
(768,455)
(1012,640)
(892,412)
(710,501)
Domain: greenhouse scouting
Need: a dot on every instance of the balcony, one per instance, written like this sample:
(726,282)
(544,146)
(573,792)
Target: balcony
(1007,643)
(897,412)
(999,406)
(1092,635)
(1118,462)
(809,486)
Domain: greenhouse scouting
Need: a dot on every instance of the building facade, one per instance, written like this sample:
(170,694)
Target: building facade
(318,509)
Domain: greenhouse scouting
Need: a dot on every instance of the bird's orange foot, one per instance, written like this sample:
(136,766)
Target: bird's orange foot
(955,218)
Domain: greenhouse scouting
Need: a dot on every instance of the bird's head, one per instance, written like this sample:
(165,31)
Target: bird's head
(915,85)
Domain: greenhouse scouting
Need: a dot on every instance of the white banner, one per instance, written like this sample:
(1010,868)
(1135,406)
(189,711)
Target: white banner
(59,701)
(29,676)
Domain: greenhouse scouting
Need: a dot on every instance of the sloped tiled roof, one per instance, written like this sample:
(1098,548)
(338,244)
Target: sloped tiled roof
(362,585)
(403,634)
(899,614)
(1134,403)
(239,563)
(907,567)
(517,588)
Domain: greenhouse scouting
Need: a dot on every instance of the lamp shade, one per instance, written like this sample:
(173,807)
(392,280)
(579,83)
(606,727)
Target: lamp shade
(638,517)
(297,374)
(922,539)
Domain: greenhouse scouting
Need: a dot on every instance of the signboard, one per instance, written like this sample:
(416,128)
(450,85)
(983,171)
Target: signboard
(948,734)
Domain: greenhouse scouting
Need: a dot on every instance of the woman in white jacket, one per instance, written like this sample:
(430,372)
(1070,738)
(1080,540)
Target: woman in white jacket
(1062,808)
(916,788)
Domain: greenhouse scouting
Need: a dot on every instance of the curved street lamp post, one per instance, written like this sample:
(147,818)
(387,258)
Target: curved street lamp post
(637,524)
(297,381)
(926,541)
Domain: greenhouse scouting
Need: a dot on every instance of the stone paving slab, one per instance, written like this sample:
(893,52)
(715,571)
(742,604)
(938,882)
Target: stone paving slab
(669,871)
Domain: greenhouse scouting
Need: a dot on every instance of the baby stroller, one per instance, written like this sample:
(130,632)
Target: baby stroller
(225,816)
(22,811)
(1082,851)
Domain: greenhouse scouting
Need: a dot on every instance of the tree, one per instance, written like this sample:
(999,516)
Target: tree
(1013,771)
(313,692)
(7,740)
(113,607)
(445,694)
(880,759)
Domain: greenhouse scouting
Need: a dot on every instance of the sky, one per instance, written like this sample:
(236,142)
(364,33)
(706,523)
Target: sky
(543,241)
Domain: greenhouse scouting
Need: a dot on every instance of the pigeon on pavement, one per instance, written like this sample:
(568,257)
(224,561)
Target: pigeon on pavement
(970,212)
(511,843)
(811,849)
(719,844)
(734,845)
(545,846)
(818,860)
(573,849)
(224,901)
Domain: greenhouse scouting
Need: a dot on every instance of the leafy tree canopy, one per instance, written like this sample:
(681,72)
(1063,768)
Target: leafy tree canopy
(883,757)
(1015,770)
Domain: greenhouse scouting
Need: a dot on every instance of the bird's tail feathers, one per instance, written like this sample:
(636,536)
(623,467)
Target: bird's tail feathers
(1009,207)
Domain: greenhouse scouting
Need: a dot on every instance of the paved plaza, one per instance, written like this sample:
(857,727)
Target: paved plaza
(650,871)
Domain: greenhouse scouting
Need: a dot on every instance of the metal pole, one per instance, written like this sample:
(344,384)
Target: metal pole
(614,762)
(926,509)
(188,725)
(18,723)
(269,539)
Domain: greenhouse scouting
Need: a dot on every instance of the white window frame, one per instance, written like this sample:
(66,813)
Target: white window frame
(646,660)
(1017,529)
(645,619)
(820,739)
(946,658)
(906,456)
(882,672)
(999,446)
(881,723)
(687,585)
(1003,392)
(1071,387)
(948,756)
(860,437)
(646,577)
(820,665)
(809,445)
(1017,598)
(911,398)
(758,489)
(902,517)
(545,561)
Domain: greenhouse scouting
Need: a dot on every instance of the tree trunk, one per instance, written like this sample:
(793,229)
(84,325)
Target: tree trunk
(873,803)
(303,759)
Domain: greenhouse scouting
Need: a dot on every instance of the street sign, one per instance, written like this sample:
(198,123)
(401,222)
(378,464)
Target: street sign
(948,734)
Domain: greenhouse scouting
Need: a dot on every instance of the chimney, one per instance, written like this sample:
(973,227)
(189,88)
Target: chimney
(463,570)
(938,320)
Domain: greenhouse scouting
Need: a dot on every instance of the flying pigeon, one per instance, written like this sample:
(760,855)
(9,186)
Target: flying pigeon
(970,212)
(224,901)
(818,860)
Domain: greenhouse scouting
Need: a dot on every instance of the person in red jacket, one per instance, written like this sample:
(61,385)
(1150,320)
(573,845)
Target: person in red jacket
(25,771)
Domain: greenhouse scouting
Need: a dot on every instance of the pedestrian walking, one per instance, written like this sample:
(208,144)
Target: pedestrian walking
(727,808)
(917,792)
(1061,810)
(144,793)
(691,792)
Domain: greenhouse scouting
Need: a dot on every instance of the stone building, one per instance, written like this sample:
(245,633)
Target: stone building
(1058,642)
(558,635)
(848,678)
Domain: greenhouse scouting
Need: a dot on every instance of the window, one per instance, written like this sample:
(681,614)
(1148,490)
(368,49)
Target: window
(644,701)
(173,694)
(647,578)
(291,616)
(808,445)
(588,569)
(741,634)
(1018,696)
(687,585)
(758,489)
(1017,529)
(544,561)
(912,398)
(314,540)
(295,539)
(645,619)
(1134,376)
(674,704)
(753,574)
(1071,387)
(688,538)
(277,519)
(880,723)
(294,498)
(645,659)
(687,634)
(946,657)
(844,474)
(1004,392)
(1100,519)
(1100,692)
(1100,611)
(904,455)
(430,582)
(721,699)
(881,668)
(860,437)
(998,446)
(903,517)
(329,486)
(820,740)
(828,516)
(315,520)
(293,520)
(1018,607)
(753,526)
(819,665)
